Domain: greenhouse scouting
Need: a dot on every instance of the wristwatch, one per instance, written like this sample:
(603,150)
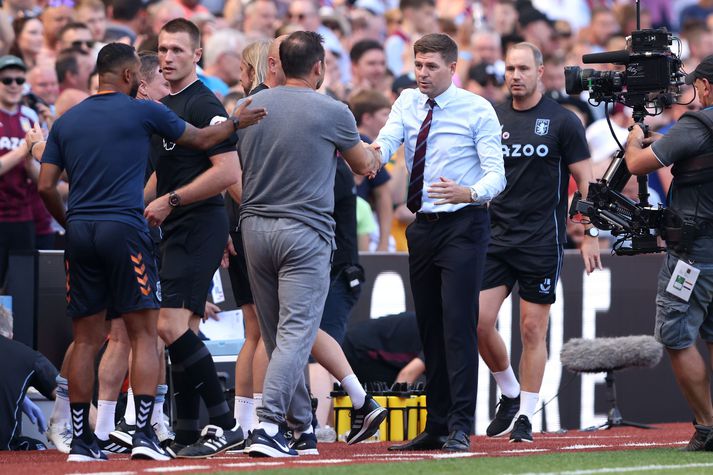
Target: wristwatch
(473,194)
(236,122)
(592,232)
(174,200)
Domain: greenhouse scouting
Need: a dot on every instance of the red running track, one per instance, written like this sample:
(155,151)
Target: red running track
(51,462)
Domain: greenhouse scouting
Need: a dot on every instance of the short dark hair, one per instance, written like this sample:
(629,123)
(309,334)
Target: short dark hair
(437,43)
(114,56)
(360,48)
(299,52)
(67,62)
(181,25)
(149,63)
(416,4)
(367,101)
(72,25)
(126,10)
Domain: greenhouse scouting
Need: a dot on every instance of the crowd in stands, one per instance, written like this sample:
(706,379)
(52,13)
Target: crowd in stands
(369,49)
(369,62)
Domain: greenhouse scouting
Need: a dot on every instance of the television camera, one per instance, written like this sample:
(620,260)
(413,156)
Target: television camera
(649,83)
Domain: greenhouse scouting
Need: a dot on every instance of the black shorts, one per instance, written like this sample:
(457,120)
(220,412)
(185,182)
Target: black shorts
(109,265)
(535,269)
(191,252)
(238,272)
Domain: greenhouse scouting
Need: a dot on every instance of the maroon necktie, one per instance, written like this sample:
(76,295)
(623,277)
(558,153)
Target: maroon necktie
(415,186)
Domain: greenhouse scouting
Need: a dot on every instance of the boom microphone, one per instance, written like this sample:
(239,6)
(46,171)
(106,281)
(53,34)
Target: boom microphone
(600,355)
(614,57)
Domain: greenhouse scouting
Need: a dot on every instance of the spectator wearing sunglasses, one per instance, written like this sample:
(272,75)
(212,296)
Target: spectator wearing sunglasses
(75,35)
(17,229)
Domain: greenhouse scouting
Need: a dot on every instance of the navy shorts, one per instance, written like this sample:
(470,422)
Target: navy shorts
(191,252)
(535,269)
(109,265)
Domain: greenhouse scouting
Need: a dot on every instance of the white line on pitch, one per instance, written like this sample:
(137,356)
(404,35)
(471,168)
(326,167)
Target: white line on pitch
(639,468)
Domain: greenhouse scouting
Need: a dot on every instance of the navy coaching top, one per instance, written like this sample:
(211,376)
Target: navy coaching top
(103,143)
(538,146)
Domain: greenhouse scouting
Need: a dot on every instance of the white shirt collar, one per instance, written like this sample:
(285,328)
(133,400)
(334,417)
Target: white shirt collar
(442,100)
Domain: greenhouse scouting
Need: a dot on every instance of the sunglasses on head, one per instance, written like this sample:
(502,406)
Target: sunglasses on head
(18,80)
(79,44)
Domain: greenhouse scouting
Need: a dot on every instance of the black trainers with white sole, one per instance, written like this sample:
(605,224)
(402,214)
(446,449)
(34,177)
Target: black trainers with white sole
(174,447)
(504,419)
(366,420)
(305,445)
(214,440)
(123,434)
(522,430)
(147,447)
(81,451)
(263,445)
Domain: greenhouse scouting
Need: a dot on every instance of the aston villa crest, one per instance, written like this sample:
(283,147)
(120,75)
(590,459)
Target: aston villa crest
(542,126)
(25,124)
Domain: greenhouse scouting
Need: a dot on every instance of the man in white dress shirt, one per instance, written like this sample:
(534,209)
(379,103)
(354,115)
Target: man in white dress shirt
(453,150)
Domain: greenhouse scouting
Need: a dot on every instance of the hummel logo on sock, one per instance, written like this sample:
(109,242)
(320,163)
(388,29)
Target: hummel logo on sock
(77,419)
(143,414)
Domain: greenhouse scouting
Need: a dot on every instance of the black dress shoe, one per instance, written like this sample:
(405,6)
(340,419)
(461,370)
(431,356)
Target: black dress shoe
(424,441)
(458,441)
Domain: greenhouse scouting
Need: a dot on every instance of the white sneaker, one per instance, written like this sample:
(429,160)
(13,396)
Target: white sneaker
(60,434)
(164,433)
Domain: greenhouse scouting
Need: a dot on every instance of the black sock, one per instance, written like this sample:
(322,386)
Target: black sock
(144,408)
(80,421)
(190,352)
(187,401)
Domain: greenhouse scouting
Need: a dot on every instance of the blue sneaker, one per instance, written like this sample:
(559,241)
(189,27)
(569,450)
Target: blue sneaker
(146,447)
(305,445)
(80,451)
(262,445)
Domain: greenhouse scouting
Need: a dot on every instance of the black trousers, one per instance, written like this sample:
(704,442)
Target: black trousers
(446,261)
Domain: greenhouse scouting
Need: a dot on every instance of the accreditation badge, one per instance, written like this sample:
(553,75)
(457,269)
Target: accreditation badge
(682,280)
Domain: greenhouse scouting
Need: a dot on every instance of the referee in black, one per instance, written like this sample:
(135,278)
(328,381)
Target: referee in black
(542,144)
(191,210)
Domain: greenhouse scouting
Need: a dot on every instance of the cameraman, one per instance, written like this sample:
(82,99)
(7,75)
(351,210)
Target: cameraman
(679,320)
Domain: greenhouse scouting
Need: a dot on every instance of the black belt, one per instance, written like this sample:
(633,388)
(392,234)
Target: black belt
(433,217)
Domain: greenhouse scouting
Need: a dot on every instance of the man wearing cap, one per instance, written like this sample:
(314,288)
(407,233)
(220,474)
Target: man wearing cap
(681,317)
(17,229)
